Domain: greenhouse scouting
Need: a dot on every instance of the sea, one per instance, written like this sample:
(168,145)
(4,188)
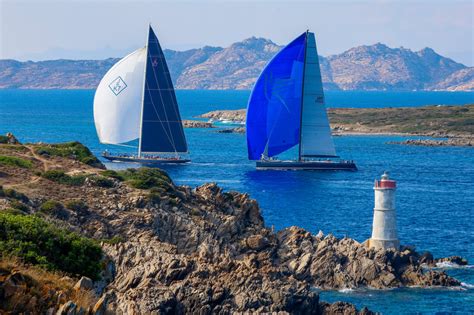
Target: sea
(435,195)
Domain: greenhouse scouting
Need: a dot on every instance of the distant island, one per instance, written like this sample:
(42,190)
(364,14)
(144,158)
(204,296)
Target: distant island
(374,67)
(453,122)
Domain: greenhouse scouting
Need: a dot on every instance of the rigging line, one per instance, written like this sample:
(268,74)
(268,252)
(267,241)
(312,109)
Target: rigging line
(168,135)
(164,67)
(158,115)
(168,132)
(172,94)
(161,97)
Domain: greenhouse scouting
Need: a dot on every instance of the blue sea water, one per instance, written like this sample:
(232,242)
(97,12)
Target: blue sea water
(435,196)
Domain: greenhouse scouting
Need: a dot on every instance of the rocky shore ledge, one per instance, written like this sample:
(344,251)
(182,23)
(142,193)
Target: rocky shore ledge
(450,142)
(451,122)
(175,249)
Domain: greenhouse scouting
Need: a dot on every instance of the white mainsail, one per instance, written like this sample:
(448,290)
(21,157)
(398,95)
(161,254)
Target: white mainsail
(118,100)
(316,139)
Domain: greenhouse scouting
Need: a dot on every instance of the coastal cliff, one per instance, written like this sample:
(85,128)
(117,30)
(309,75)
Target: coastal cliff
(174,249)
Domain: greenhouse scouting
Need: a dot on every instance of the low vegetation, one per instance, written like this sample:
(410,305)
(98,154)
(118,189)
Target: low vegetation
(142,178)
(3,139)
(15,161)
(457,120)
(13,194)
(61,177)
(73,150)
(37,289)
(35,241)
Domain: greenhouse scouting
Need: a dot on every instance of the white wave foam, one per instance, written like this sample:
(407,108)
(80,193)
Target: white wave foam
(346,290)
(467,285)
(448,264)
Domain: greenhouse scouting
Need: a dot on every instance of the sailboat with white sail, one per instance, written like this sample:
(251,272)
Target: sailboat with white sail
(286,109)
(136,100)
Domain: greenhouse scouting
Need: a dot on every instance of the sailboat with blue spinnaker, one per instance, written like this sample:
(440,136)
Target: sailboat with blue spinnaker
(136,100)
(286,109)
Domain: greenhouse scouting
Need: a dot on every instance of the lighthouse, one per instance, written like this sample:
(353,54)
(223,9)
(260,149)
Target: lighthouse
(384,228)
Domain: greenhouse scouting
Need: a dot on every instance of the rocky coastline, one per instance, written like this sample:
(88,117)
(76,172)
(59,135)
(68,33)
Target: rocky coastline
(449,122)
(177,249)
(450,142)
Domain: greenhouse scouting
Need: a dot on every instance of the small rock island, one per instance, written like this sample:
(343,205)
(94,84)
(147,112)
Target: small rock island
(452,123)
(133,242)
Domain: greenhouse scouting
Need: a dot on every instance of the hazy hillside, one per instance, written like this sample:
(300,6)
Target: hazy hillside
(375,67)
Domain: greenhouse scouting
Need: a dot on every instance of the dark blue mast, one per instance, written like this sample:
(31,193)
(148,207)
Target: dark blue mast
(162,129)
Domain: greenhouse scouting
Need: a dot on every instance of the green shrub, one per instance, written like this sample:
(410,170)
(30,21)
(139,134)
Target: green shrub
(101,181)
(3,139)
(76,205)
(15,204)
(35,241)
(51,207)
(15,161)
(61,177)
(13,211)
(114,240)
(154,197)
(142,178)
(74,150)
(11,193)
(112,174)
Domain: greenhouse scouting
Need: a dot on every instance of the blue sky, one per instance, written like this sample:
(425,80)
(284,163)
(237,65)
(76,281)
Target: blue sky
(40,30)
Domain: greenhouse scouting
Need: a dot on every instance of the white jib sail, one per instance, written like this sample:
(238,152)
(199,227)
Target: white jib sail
(118,100)
(316,139)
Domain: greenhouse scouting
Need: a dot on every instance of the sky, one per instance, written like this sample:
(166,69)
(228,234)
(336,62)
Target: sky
(92,29)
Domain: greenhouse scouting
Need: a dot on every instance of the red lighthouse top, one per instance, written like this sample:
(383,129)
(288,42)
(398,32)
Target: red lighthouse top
(385,182)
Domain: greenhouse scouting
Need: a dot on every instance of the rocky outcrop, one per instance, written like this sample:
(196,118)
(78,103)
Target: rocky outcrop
(232,130)
(197,124)
(226,115)
(173,249)
(450,142)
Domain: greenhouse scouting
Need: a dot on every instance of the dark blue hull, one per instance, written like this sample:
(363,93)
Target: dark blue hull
(307,165)
(148,161)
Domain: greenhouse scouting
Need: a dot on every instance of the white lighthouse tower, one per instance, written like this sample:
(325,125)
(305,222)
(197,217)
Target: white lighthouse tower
(384,229)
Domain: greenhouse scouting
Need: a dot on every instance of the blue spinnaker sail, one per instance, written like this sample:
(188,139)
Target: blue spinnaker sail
(162,130)
(274,108)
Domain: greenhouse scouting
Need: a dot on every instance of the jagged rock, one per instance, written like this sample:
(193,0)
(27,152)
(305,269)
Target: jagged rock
(84,284)
(457,260)
(68,308)
(11,139)
(101,306)
(342,308)
(206,250)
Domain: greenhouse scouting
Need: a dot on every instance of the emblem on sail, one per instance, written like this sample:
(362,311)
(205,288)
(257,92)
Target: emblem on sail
(148,111)
(117,85)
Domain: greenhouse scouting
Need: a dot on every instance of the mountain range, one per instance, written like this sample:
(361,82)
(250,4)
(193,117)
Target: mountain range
(374,67)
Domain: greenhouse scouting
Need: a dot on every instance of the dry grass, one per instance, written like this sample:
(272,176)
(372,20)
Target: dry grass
(43,286)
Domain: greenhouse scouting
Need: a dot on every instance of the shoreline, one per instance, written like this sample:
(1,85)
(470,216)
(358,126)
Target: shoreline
(200,241)
(447,125)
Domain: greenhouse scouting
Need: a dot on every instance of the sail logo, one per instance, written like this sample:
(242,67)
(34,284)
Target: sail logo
(154,63)
(117,85)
